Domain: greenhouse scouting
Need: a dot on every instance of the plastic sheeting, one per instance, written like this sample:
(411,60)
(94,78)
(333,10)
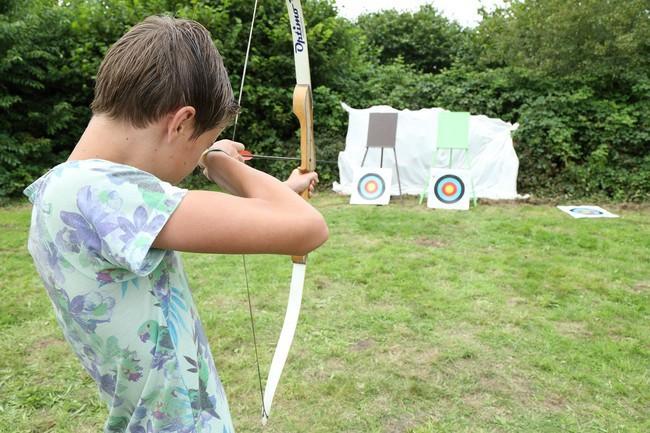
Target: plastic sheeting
(493,162)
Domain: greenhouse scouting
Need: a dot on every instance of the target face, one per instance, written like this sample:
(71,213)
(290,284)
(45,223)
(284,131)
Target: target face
(586,211)
(372,186)
(448,189)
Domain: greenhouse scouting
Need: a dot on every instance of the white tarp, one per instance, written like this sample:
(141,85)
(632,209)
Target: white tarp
(493,161)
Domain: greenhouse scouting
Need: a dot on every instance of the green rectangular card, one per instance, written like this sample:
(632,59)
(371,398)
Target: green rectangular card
(453,130)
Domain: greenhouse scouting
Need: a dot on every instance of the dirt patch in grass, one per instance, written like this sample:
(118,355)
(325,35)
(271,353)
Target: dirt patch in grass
(12,226)
(633,206)
(491,202)
(492,389)
(402,424)
(485,406)
(43,421)
(554,201)
(516,301)
(555,403)
(498,378)
(327,369)
(362,345)
(46,342)
(322,283)
(573,329)
(643,287)
(422,364)
(431,243)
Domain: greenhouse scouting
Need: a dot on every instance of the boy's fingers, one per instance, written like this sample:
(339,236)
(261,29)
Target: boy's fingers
(234,144)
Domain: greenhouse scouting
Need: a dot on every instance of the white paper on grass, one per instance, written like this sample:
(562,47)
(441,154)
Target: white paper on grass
(460,198)
(494,163)
(364,174)
(587,211)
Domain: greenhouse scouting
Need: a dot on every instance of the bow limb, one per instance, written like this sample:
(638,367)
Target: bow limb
(303,109)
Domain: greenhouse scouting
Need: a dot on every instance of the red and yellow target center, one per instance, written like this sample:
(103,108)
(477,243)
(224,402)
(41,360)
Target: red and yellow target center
(449,189)
(371,186)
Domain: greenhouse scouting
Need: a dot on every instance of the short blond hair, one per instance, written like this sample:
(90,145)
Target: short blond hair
(160,65)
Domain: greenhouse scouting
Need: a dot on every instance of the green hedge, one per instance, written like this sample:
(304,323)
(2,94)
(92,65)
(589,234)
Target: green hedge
(580,135)
(571,140)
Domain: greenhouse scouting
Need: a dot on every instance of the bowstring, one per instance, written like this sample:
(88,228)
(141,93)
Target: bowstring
(234,134)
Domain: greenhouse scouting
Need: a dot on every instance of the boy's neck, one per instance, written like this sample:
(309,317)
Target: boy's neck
(116,141)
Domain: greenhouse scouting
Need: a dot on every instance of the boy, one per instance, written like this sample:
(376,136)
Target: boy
(107,223)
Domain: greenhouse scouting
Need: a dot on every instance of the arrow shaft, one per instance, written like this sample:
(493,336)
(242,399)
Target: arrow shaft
(287,158)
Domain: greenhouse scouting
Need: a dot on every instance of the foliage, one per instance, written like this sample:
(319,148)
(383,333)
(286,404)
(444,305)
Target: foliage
(50,52)
(37,97)
(424,39)
(570,140)
(582,145)
(585,132)
(574,76)
(604,38)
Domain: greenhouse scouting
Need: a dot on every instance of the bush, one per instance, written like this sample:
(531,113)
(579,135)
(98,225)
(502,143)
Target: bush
(583,131)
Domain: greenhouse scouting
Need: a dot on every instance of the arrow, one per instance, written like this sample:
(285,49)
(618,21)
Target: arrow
(247,155)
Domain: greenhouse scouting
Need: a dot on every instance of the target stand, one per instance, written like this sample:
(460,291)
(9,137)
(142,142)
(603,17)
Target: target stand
(453,134)
(371,186)
(382,133)
(448,189)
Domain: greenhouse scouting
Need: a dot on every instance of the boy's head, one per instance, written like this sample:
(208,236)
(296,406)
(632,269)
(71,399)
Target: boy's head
(160,65)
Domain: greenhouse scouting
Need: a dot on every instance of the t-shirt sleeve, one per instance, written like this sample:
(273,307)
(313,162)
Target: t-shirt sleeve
(115,215)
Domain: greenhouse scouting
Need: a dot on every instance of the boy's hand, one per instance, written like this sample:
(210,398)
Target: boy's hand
(229,147)
(300,182)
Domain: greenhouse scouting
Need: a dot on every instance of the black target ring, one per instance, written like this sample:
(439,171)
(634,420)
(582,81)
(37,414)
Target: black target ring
(449,189)
(371,186)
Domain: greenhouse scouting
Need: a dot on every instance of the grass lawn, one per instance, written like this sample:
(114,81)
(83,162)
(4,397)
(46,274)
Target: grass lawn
(507,318)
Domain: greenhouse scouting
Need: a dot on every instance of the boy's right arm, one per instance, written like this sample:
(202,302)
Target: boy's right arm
(260,215)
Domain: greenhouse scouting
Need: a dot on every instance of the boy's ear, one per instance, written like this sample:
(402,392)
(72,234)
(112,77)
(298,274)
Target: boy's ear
(181,122)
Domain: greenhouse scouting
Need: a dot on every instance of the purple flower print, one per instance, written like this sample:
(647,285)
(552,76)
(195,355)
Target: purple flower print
(139,225)
(104,277)
(108,276)
(47,257)
(91,309)
(90,225)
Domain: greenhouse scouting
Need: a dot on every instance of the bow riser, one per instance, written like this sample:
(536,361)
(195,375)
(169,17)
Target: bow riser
(303,109)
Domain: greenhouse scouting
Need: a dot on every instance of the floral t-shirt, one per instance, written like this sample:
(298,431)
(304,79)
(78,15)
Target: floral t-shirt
(124,306)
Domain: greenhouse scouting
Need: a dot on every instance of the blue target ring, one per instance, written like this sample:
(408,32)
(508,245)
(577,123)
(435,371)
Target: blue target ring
(449,189)
(586,211)
(371,186)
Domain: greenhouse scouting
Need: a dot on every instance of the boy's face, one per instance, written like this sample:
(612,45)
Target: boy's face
(190,151)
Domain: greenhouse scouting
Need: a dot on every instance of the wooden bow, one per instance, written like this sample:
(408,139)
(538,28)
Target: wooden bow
(303,109)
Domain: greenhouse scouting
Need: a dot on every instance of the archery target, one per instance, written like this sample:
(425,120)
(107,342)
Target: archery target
(448,189)
(587,212)
(371,186)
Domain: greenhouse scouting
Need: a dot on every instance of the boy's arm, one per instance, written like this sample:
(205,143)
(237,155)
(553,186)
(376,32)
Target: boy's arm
(260,215)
